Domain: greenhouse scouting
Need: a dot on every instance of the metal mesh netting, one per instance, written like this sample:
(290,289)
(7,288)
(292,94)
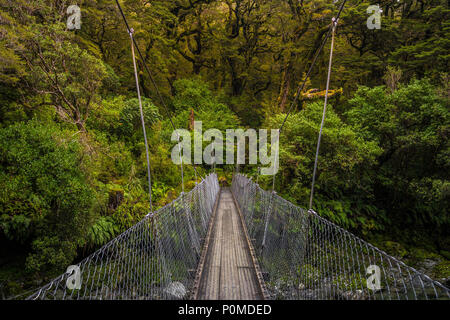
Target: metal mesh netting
(155,259)
(303,256)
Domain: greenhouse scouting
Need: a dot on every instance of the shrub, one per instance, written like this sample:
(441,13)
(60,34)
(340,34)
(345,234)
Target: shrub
(44,197)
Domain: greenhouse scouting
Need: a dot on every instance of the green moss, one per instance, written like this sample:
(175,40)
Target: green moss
(13,287)
(395,248)
(442,269)
(308,274)
(350,282)
(419,254)
(445,254)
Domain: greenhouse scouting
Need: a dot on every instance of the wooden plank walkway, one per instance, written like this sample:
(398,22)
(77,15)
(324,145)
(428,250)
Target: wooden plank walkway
(228,271)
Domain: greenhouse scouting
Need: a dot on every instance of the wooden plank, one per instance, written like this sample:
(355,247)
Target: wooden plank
(259,283)
(205,250)
(228,270)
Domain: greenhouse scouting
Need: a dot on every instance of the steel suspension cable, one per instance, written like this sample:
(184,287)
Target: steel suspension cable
(156,88)
(142,121)
(334,22)
(316,55)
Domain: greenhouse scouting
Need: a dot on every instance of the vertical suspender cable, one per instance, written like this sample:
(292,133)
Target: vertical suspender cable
(195,173)
(323,115)
(214,163)
(142,121)
(181,164)
(275,165)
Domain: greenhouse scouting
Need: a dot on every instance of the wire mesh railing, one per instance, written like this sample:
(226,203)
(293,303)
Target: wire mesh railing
(304,256)
(155,259)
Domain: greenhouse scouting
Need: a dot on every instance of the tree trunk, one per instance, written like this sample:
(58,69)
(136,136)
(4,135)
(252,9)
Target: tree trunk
(285,85)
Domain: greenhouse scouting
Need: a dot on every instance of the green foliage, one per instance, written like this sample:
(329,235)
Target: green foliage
(345,162)
(411,126)
(350,282)
(120,118)
(44,197)
(130,117)
(384,158)
(102,231)
(12,67)
(130,212)
(429,53)
(51,254)
(134,205)
(159,190)
(442,270)
(308,275)
(206,108)
(445,254)
(395,249)
(192,94)
(106,120)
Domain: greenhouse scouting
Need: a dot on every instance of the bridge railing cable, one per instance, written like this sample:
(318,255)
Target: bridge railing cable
(154,259)
(304,256)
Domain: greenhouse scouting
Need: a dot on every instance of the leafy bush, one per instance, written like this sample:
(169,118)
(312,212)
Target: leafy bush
(192,94)
(102,231)
(442,269)
(410,183)
(131,210)
(350,282)
(130,116)
(344,167)
(44,198)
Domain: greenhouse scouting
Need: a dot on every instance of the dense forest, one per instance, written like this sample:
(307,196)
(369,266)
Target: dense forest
(72,156)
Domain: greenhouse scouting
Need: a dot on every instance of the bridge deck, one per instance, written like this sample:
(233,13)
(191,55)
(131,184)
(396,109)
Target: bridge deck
(228,271)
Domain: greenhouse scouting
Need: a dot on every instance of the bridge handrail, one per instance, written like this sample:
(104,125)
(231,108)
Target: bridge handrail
(305,256)
(175,254)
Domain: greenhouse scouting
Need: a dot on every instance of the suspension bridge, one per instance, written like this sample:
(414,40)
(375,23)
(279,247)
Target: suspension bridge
(241,242)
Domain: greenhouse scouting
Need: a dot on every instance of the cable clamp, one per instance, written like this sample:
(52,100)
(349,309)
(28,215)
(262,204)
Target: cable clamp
(334,21)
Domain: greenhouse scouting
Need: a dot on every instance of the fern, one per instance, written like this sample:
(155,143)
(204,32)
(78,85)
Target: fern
(102,231)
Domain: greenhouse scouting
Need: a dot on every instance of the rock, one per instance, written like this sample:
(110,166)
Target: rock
(445,282)
(310,294)
(429,263)
(353,295)
(395,290)
(358,295)
(176,290)
(417,281)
